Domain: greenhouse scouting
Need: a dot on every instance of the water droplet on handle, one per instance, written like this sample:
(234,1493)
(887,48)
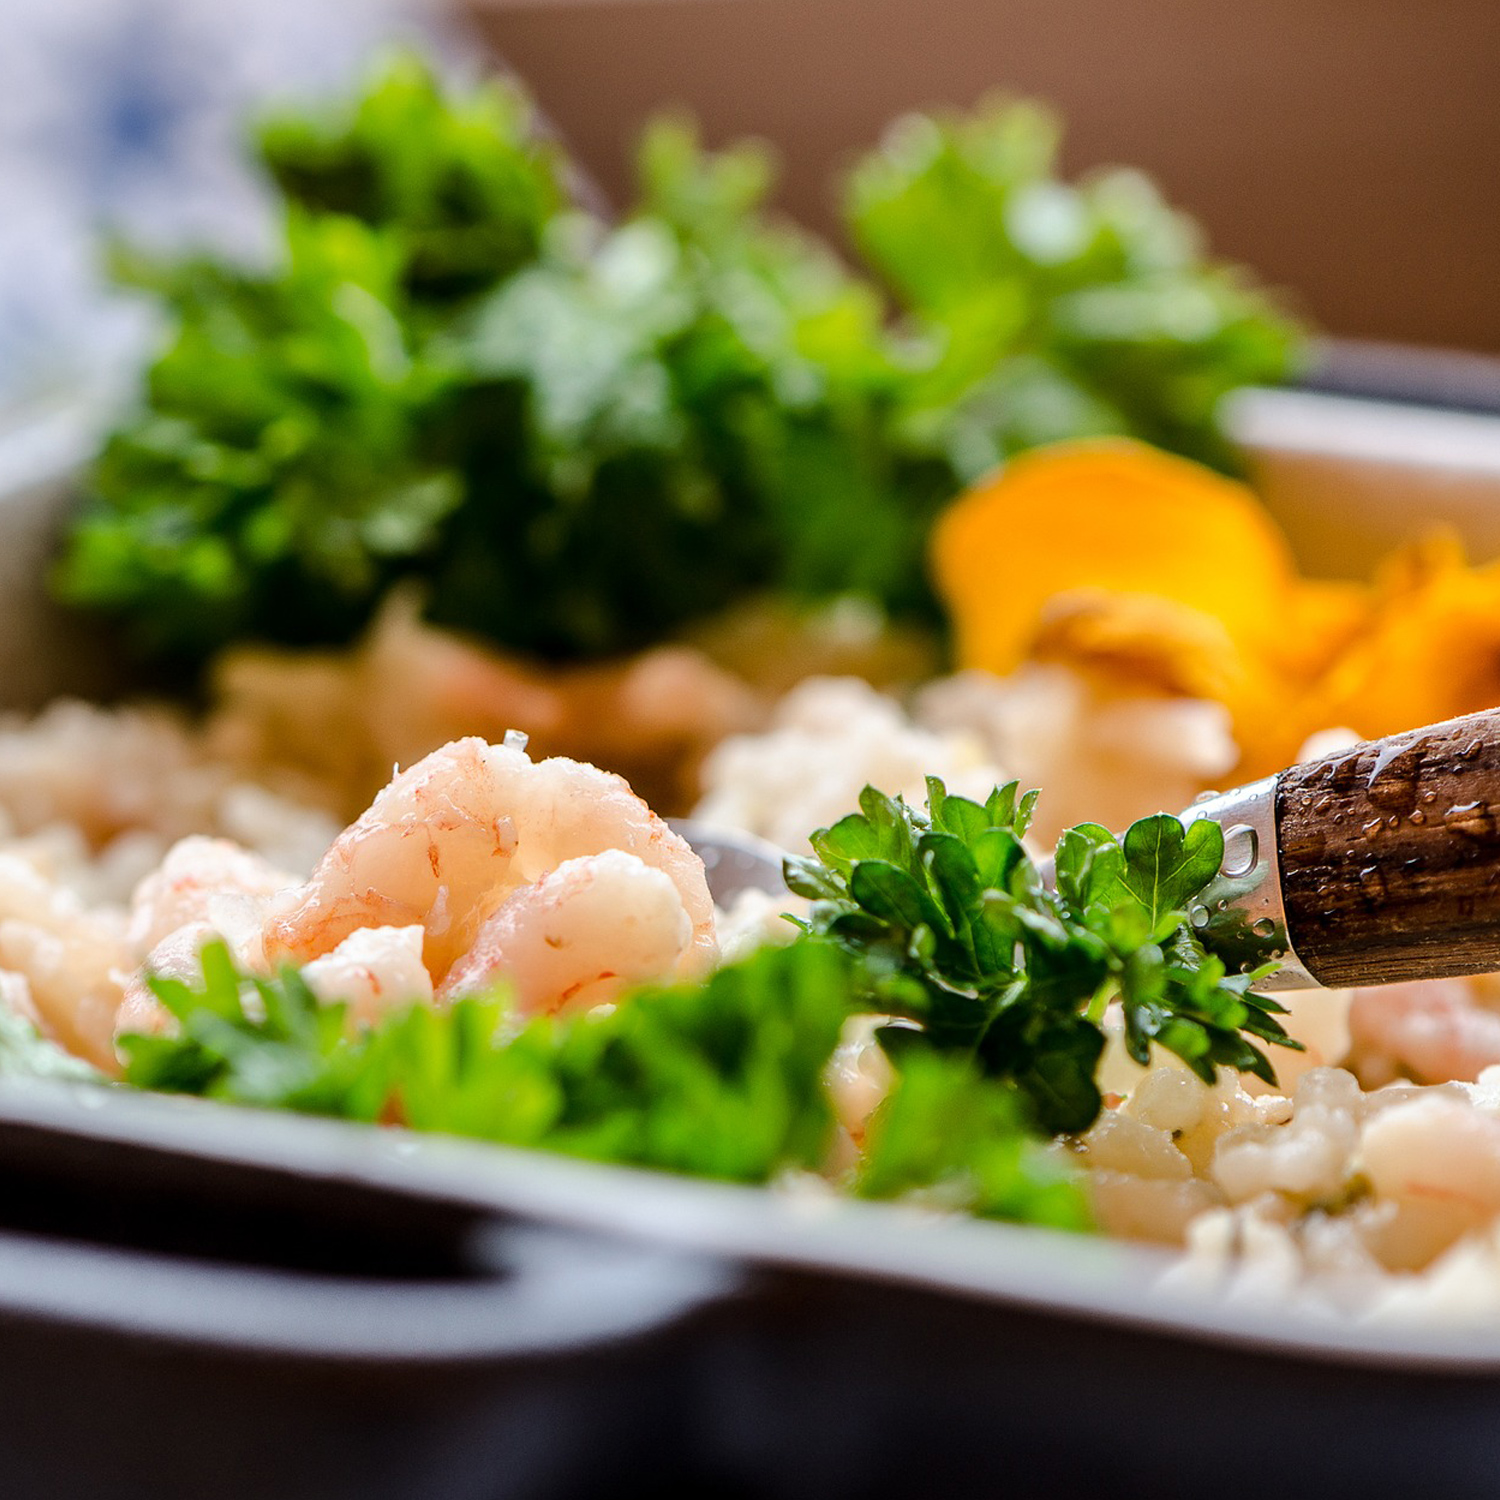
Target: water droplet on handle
(1394,781)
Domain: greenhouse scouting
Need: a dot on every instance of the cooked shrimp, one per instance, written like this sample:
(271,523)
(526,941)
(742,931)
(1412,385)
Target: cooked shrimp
(1431,1031)
(204,889)
(176,956)
(336,721)
(579,934)
(858,1076)
(372,971)
(452,837)
(1437,1160)
(69,955)
(1112,756)
(192,884)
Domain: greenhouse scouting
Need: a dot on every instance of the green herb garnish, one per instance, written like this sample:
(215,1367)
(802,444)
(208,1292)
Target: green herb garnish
(962,1140)
(1052,310)
(582,437)
(721,1079)
(463,185)
(954,929)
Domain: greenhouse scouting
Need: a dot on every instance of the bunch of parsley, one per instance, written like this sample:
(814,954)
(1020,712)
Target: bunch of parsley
(1041,310)
(581,436)
(955,930)
(721,1079)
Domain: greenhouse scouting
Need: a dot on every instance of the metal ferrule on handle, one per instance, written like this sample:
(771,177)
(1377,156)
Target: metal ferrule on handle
(1242,913)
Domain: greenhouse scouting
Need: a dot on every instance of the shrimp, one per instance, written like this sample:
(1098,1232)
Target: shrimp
(579,934)
(175,956)
(1113,756)
(858,1076)
(1437,1160)
(205,889)
(337,720)
(454,836)
(70,956)
(1431,1031)
(372,971)
(194,883)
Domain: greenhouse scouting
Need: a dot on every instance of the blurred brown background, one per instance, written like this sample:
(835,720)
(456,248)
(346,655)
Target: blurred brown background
(1348,149)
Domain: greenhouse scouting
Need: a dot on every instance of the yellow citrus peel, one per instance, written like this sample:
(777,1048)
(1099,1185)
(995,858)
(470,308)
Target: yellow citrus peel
(1152,574)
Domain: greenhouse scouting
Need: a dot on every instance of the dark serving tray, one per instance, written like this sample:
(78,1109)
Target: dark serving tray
(199,1300)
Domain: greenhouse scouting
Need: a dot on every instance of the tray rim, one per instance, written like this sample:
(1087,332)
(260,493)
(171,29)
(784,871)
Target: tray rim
(1073,1277)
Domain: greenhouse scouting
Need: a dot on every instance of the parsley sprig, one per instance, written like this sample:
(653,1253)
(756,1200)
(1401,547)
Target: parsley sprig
(723,1079)
(955,929)
(961,1140)
(720,1079)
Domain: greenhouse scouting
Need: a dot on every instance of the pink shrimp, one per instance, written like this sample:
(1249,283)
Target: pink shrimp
(1430,1032)
(579,934)
(452,838)
(373,970)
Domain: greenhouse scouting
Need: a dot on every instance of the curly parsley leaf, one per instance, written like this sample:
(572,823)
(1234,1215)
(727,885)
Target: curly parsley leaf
(256,1041)
(955,930)
(281,478)
(1167,863)
(462,184)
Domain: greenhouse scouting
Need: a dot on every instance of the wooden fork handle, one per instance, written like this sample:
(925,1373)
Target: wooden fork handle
(1390,856)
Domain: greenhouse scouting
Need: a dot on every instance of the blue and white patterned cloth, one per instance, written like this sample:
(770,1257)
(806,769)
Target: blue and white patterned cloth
(129,115)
